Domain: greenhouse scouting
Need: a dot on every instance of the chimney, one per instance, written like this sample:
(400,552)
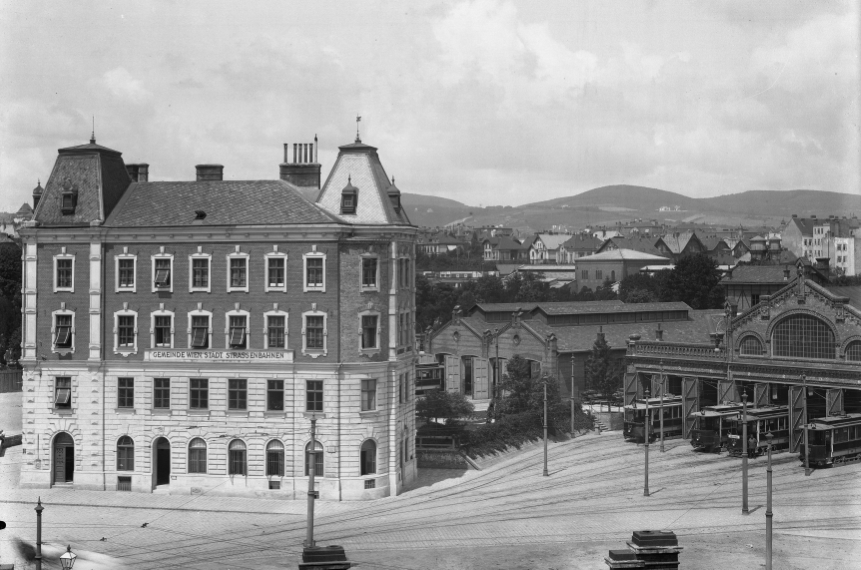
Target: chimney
(600,333)
(138,172)
(794,215)
(659,333)
(301,166)
(813,216)
(786,273)
(209,172)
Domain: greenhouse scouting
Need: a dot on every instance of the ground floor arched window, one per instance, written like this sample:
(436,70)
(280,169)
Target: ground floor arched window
(369,458)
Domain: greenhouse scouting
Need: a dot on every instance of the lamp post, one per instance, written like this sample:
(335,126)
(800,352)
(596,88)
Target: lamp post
(312,468)
(768,513)
(546,474)
(662,405)
(744,452)
(572,395)
(496,367)
(67,559)
(646,425)
(806,420)
(38,557)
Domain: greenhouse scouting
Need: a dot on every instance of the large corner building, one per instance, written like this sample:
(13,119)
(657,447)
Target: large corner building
(178,335)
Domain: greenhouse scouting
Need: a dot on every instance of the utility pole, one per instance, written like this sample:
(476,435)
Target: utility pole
(744,452)
(572,394)
(39,508)
(496,367)
(312,467)
(662,405)
(546,474)
(647,423)
(806,421)
(768,513)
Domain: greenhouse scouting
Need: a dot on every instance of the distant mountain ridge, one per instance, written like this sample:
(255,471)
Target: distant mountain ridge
(620,202)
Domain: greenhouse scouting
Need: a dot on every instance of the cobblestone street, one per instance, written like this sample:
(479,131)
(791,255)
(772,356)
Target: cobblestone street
(507,516)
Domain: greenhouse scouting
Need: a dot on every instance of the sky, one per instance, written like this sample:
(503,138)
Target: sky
(487,102)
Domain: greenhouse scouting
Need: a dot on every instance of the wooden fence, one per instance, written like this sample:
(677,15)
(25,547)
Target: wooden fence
(11,380)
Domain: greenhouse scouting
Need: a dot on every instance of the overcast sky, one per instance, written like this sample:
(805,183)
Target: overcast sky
(486,102)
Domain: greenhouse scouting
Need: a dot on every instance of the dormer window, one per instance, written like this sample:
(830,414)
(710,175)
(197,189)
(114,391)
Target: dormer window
(69,197)
(349,198)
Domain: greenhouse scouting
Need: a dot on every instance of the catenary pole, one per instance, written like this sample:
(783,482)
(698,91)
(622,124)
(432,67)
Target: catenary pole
(647,423)
(662,405)
(546,474)
(312,494)
(744,452)
(806,422)
(572,394)
(768,513)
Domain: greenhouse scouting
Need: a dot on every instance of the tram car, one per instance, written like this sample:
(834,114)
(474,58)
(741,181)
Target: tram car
(635,418)
(833,440)
(760,421)
(712,431)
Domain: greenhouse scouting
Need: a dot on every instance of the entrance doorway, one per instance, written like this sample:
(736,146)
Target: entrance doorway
(64,458)
(161,446)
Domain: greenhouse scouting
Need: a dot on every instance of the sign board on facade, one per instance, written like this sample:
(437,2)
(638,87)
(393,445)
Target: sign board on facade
(169,355)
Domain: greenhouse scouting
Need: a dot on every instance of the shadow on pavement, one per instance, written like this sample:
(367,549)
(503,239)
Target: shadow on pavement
(429,477)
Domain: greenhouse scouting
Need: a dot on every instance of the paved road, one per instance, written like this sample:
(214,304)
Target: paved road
(507,516)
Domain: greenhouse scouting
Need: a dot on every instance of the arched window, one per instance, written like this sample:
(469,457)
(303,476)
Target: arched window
(318,456)
(125,454)
(369,458)
(751,345)
(197,456)
(613,276)
(236,457)
(803,336)
(853,351)
(275,458)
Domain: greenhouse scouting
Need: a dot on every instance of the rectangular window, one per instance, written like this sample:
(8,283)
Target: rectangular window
(200,273)
(237,332)
(369,395)
(369,272)
(161,393)
(199,394)
(162,273)
(64,273)
(162,331)
(237,394)
(400,388)
(126,273)
(369,331)
(63,332)
(63,392)
(314,272)
(275,395)
(314,332)
(125,330)
(238,271)
(125,392)
(754,299)
(584,273)
(275,331)
(275,272)
(402,329)
(599,274)
(200,332)
(314,395)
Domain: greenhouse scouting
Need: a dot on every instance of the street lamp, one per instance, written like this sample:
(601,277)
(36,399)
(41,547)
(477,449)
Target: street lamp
(744,452)
(768,513)
(646,425)
(311,458)
(67,559)
(546,474)
(39,508)
(496,367)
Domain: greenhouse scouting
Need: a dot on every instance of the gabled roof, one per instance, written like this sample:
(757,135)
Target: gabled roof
(359,164)
(677,242)
(758,274)
(24,211)
(582,242)
(623,255)
(644,244)
(553,241)
(508,244)
(225,202)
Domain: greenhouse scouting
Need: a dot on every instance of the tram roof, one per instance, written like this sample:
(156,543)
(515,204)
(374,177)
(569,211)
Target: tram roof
(766,411)
(830,422)
(669,401)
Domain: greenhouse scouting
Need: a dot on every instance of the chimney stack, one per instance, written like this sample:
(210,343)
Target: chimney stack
(600,333)
(138,172)
(659,333)
(301,166)
(209,172)
(786,273)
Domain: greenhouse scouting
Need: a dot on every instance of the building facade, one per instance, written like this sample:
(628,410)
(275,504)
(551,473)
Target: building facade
(178,337)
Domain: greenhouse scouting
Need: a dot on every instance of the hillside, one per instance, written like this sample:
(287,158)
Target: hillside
(621,202)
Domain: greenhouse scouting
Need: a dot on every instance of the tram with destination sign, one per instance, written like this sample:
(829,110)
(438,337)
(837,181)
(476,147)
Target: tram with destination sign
(712,431)
(429,377)
(833,440)
(635,418)
(760,421)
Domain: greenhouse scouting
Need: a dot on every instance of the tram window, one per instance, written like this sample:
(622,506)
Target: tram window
(841,435)
(781,423)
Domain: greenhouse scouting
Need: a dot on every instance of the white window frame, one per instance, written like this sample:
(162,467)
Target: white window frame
(275,255)
(314,254)
(199,313)
(163,255)
(125,255)
(315,352)
(237,313)
(54,314)
(124,350)
(276,313)
(238,255)
(64,255)
(162,313)
(191,258)
(377,348)
(364,287)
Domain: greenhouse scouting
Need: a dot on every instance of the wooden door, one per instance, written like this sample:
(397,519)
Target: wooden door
(480,378)
(452,373)
(655,388)
(834,402)
(796,417)
(690,403)
(727,391)
(631,385)
(760,394)
(59,464)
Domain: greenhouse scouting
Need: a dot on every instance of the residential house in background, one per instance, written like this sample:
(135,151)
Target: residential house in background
(580,245)
(614,265)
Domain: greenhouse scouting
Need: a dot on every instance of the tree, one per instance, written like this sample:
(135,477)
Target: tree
(603,372)
(695,281)
(10,300)
(444,405)
(524,391)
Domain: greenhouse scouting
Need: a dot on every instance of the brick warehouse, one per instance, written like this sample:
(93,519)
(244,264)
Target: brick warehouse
(176,334)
